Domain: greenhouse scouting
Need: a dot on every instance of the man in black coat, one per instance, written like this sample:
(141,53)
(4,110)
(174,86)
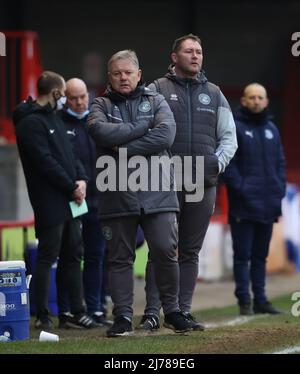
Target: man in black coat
(54,178)
(255,180)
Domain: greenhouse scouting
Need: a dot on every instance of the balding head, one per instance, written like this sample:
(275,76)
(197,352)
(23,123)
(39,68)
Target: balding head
(255,98)
(77,95)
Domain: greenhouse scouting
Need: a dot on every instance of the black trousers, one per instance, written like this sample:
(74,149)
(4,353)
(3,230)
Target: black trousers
(65,243)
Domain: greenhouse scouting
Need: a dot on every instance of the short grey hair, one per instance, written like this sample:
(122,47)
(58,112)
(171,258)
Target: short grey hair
(126,54)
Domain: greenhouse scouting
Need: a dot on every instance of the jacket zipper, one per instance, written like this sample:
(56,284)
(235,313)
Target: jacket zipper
(139,196)
(189,119)
(262,139)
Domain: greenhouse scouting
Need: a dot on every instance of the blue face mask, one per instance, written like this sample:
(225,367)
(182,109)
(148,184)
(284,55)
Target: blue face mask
(78,115)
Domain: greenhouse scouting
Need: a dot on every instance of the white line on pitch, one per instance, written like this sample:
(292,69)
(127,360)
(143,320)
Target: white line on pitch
(233,322)
(287,351)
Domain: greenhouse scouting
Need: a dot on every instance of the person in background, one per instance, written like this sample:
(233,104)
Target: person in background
(74,116)
(54,178)
(205,127)
(255,179)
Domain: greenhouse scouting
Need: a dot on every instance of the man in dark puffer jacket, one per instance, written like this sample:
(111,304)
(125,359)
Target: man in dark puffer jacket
(256,184)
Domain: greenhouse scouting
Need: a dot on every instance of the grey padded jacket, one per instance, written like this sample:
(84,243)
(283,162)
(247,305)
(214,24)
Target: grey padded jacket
(205,125)
(141,124)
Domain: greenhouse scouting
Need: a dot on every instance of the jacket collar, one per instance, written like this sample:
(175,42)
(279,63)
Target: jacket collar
(171,74)
(117,96)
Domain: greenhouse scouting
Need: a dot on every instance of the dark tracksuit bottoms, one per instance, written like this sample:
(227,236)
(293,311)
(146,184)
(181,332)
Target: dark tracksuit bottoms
(250,250)
(193,222)
(161,233)
(63,241)
(93,268)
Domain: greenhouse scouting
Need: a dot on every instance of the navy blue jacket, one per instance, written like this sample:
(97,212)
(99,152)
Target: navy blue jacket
(85,149)
(255,177)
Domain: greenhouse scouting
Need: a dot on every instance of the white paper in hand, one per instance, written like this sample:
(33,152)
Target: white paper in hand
(78,210)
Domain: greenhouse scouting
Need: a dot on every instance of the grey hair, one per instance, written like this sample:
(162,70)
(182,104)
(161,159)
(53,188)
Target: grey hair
(126,54)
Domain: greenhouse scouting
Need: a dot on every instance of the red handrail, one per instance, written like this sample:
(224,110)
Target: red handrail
(12,224)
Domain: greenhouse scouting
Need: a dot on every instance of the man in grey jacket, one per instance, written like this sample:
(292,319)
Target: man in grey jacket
(205,127)
(130,120)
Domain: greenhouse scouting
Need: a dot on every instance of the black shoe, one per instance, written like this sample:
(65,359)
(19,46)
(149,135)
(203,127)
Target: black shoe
(197,326)
(76,321)
(63,320)
(43,322)
(121,327)
(100,319)
(246,309)
(178,322)
(149,322)
(267,307)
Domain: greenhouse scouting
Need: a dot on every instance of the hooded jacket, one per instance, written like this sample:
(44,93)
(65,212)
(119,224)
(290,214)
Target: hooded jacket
(255,177)
(205,125)
(49,164)
(140,124)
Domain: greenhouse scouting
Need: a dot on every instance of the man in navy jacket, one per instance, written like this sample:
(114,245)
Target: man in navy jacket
(255,179)
(74,117)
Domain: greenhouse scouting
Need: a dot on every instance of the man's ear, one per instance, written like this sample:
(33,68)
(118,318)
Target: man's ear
(140,74)
(55,93)
(243,101)
(267,101)
(174,57)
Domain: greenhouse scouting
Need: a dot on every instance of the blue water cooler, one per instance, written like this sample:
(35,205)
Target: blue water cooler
(14,301)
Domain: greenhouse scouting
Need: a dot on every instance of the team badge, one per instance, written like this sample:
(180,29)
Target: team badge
(269,134)
(204,99)
(144,107)
(107,232)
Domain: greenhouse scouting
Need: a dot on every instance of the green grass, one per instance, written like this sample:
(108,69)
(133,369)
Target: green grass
(263,334)
(260,335)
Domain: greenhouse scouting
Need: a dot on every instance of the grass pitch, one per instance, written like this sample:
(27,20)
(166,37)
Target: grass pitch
(226,333)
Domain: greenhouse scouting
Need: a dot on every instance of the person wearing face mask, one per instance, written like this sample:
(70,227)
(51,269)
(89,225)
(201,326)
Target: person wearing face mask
(74,117)
(54,177)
